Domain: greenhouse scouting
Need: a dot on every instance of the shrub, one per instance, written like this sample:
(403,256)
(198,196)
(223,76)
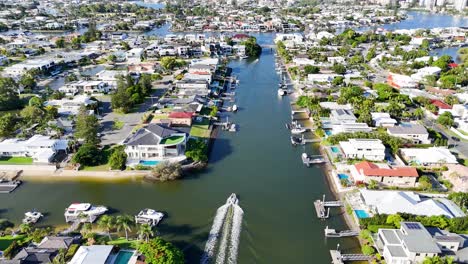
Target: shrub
(87,155)
(368,250)
(118,158)
(71,251)
(166,171)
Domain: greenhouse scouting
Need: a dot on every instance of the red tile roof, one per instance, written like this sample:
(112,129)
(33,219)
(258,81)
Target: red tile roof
(181,115)
(440,104)
(240,36)
(453,65)
(370,169)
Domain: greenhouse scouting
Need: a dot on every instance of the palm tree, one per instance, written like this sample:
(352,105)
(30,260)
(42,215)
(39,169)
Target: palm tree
(124,222)
(145,232)
(86,228)
(106,222)
(25,228)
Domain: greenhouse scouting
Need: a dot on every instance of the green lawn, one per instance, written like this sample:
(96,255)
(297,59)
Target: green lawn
(172,140)
(123,243)
(5,241)
(16,160)
(201,129)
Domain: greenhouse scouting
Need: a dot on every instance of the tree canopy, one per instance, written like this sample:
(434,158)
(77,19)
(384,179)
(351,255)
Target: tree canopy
(159,251)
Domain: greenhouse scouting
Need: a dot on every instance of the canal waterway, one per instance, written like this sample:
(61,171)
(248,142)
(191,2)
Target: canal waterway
(258,163)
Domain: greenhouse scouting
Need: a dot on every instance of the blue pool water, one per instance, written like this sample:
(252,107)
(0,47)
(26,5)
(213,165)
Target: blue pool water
(342,176)
(335,149)
(123,257)
(361,214)
(149,162)
(328,132)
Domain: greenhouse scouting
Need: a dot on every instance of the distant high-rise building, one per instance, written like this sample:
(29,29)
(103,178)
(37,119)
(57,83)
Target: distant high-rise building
(459,4)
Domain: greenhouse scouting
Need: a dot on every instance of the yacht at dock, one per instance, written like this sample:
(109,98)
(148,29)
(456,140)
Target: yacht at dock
(83,212)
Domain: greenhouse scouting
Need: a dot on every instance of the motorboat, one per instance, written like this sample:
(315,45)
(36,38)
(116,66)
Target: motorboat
(149,216)
(282,92)
(243,57)
(234,108)
(32,217)
(232,199)
(298,130)
(233,128)
(296,140)
(84,212)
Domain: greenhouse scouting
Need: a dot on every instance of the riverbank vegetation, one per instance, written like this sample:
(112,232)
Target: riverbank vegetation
(166,171)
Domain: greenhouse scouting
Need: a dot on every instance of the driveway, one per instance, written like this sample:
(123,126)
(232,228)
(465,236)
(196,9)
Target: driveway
(459,146)
(108,134)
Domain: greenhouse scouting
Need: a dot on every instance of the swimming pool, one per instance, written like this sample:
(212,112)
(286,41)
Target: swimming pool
(328,132)
(335,149)
(149,162)
(342,176)
(123,257)
(361,214)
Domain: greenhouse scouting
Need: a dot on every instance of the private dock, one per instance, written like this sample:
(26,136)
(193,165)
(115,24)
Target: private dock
(338,258)
(312,159)
(345,233)
(322,207)
(7,186)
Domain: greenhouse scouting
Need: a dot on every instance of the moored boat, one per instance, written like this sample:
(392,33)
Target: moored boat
(149,216)
(83,212)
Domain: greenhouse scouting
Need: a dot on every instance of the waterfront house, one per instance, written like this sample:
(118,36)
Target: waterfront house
(370,149)
(321,77)
(413,242)
(433,156)
(399,176)
(393,202)
(40,148)
(415,132)
(156,142)
(96,254)
(383,120)
(193,87)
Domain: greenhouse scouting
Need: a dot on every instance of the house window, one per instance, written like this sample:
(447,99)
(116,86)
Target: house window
(418,254)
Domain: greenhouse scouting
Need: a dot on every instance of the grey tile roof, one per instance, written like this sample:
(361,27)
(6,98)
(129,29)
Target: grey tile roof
(397,251)
(390,236)
(151,135)
(54,242)
(417,238)
(36,255)
(415,129)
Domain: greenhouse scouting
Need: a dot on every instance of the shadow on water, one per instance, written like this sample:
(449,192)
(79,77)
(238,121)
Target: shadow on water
(222,149)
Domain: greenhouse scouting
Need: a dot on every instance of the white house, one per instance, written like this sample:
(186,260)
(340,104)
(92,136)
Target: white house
(96,254)
(383,120)
(89,86)
(71,106)
(433,156)
(415,132)
(154,143)
(321,77)
(134,55)
(412,243)
(40,148)
(370,149)
(392,202)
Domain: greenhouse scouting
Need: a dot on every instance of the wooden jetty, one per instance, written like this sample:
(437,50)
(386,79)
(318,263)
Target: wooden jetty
(338,258)
(322,207)
(312,159)
(7,186)
(74,226)
(345,233)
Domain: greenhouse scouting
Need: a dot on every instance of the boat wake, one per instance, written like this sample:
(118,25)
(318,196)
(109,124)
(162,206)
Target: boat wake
(223,241)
